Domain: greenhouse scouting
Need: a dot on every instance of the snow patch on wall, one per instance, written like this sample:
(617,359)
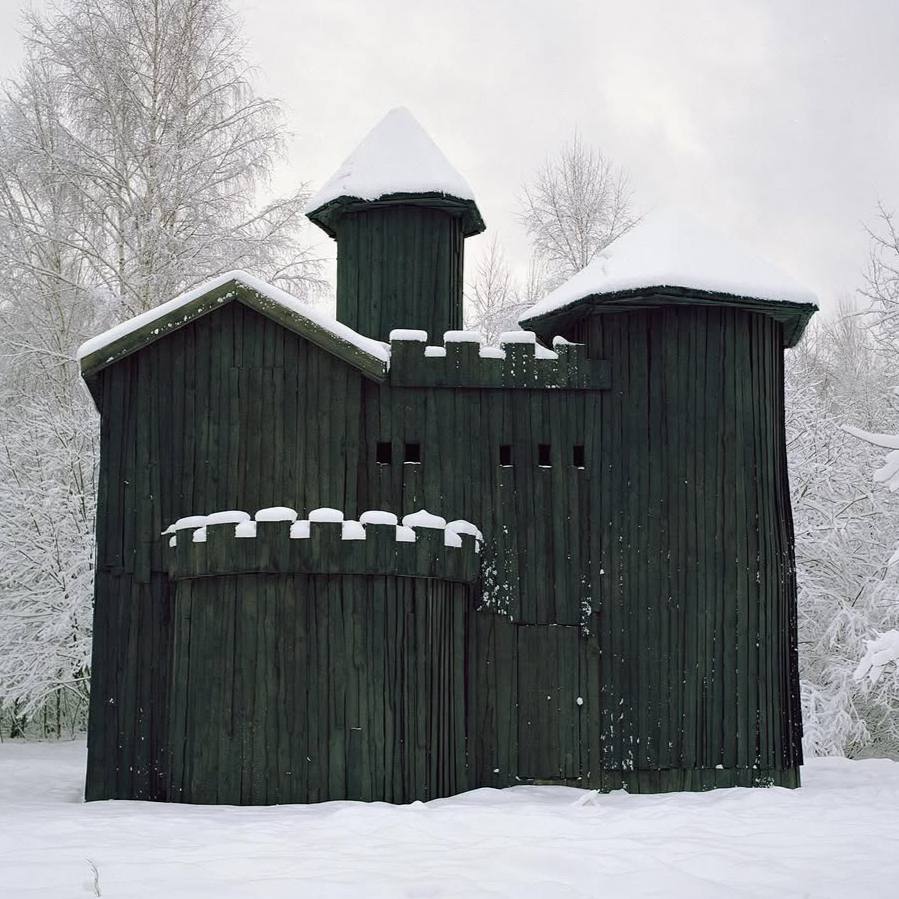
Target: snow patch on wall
(229,516)
(408,334)
(461,526)
(377,516)
(352,530)
(517,337)
(326,514)
(189,521)
(423,519)
(276,513)
(462,337)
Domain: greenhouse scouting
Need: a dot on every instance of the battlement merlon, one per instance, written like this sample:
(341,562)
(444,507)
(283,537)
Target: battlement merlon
(519,362)
(226,545)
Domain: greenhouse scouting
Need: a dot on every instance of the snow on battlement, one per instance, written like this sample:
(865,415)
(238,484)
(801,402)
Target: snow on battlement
(462,360)
(276,540)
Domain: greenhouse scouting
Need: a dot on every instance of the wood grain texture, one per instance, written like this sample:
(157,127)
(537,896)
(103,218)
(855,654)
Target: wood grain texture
(656,583)
(400,267)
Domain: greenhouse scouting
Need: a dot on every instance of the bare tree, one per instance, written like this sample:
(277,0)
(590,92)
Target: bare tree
(578,202)
(161,134)
(48,445)
(491,301)
(132,151)
(882,279)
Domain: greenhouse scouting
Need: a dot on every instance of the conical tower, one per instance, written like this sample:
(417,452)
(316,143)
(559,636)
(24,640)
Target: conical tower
(400,214)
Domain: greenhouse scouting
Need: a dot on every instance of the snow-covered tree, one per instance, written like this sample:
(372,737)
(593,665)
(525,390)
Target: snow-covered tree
(492,300)
(878,669)
(133,150)
(882,280)
(576,204)
(843,534)
(46,545)
(160,130)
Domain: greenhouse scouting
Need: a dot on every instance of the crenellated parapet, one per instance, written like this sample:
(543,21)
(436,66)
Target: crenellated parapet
(277,541)
(462,360)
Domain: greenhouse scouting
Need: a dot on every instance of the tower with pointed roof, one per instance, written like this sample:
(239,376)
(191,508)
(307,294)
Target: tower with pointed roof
(372,558)
(400,214)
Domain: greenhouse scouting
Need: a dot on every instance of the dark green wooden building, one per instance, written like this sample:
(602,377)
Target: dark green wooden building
(600,592)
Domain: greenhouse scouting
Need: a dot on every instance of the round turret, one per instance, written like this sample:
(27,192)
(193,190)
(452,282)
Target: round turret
(400,214)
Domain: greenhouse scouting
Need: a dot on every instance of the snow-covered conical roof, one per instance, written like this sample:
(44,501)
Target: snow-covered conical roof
(396,157)
(669,248)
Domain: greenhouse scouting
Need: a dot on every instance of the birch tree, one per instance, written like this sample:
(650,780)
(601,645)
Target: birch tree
(882,279)
(164,136)
(491,301)
(576,204)
(132,153)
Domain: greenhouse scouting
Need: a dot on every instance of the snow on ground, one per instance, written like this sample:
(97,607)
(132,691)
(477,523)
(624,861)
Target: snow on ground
(837,836)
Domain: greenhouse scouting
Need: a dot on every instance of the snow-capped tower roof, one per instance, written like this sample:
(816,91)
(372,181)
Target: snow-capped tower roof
(670,253)
(396,160)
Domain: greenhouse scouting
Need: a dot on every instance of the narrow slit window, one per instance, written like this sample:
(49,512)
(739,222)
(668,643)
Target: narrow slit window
(413,454)
(578,457)
(384,453)
(544,455)
(505,455)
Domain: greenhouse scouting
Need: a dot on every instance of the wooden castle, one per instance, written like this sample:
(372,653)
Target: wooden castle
(372,558)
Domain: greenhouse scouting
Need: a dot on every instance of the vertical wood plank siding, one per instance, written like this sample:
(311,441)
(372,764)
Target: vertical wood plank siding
(400,267)
(655,584)
(320,688)
(697,610)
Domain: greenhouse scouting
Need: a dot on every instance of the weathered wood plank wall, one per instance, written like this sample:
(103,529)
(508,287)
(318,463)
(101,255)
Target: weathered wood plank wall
(697,610)
(400,267)
(671,546)
(305,688)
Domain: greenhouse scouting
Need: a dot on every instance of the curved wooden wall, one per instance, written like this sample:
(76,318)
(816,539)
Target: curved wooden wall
(304,688)
(400,267)
(697,617)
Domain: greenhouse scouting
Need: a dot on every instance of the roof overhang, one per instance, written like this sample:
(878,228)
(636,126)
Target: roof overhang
(794,317)
(369,356)
(327,216)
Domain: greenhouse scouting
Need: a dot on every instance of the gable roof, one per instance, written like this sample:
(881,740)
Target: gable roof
(670,253)
(371,357)
(395,162)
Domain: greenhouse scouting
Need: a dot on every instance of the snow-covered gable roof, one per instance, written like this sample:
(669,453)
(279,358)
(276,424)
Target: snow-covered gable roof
(371,356)
(670,249)
(396,158)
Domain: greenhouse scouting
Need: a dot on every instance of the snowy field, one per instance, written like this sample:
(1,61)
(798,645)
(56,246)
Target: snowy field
(837,836)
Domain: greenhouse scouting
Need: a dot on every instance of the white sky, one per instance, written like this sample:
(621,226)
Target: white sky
(778,122)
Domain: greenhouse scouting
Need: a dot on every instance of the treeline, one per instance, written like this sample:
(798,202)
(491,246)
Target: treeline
(133,147)
(132,150)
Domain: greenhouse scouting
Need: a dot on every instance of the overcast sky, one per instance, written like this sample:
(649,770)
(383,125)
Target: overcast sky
(778,122)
